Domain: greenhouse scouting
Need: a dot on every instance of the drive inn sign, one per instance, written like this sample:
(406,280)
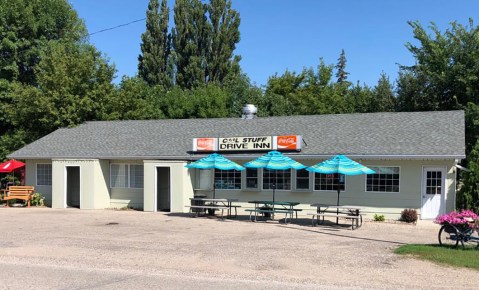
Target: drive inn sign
(261,143)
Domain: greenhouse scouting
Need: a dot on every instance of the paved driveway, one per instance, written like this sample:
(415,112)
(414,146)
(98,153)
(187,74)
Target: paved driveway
(44,248)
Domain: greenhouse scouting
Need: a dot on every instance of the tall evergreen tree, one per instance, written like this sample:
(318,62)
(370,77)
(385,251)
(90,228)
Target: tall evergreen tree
(153,62)
(189,43)
(384,99)
(341,73)
(223,35)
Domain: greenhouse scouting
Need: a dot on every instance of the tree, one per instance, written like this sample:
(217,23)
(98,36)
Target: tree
(468,196)
(384,99)
(25,29)
(445,76)
(341,73)
(153,62)
(74,83)
(189,43)
(223,35)
(50,77)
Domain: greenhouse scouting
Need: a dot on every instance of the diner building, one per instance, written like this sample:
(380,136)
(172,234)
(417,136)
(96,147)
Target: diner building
(141,164)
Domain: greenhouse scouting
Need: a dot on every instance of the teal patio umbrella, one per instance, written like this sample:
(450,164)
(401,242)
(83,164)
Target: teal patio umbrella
(215,161)
(342,165)
(274,160)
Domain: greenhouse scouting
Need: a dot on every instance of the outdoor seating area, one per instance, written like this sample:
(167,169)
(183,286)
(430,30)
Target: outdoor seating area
(348,212)
(211,205)
(267,209)
(264,210)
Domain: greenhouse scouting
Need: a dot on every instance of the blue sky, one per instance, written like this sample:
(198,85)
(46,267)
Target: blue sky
(277,35)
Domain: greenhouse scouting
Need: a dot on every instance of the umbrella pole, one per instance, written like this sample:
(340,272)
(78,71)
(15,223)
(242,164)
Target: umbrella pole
(274,187)
(337,202)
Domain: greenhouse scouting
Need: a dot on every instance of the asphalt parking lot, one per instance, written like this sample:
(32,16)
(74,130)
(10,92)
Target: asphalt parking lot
(43,248)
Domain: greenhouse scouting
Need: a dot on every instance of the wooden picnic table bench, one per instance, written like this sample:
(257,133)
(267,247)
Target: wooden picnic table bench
(271,211)
(203,208)
(316,216)
(19,192)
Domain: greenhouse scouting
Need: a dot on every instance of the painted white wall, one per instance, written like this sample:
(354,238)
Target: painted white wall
(181,186)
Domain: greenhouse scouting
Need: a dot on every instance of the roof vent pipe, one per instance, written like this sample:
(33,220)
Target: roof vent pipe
(249,111)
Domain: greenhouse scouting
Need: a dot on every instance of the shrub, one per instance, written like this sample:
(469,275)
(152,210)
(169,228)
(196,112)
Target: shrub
(378,217)
(409,215)
(38,199)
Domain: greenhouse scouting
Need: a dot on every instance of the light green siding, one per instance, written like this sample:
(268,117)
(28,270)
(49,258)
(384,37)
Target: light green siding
(389,204)
(124,197)
(31,179)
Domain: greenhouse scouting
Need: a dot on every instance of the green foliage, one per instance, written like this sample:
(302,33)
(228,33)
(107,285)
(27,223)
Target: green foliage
(468,195)
(341,73)
(379,217)
(204,39)
(153,62)
(445,75)
(464,258)
(38,199)
(409,215)
(383,94)
(26,27)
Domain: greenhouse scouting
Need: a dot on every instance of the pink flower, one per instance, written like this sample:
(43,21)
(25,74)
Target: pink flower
(457,218)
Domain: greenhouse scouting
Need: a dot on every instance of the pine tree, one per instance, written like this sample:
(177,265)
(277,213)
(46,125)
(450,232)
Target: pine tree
(341,72)
(384,99)
(153,62)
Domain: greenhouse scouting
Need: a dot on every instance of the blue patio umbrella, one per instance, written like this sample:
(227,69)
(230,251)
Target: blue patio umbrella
(215,161)
(340,164)
(274,160)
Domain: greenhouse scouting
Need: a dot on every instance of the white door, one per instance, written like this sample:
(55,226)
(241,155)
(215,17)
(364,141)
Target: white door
(433,191)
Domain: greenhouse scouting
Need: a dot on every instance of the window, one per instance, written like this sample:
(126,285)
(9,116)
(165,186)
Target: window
(252,178)
(126,176)
(329,181)
(227,179)
(433,182)
(136,176)
(44,174)
(302,179)
(279,178)
(386,179)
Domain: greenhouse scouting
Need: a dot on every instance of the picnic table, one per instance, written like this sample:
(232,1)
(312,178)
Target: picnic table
(350,212)
(200,204)
(265,207)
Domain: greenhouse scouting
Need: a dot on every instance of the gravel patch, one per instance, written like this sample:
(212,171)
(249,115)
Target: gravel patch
(107,249)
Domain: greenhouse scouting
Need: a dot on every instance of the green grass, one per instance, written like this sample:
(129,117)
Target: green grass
(460,257)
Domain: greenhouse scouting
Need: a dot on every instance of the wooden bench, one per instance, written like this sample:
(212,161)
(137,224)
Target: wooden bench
(19,192)
(271,211)
(353,218)
(203,208)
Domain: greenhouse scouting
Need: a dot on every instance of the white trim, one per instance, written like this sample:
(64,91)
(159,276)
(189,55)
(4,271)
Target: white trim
(442,206)
(259,179)
(385,192)
(248,156)
(296,182)
(128,175)
(276,189)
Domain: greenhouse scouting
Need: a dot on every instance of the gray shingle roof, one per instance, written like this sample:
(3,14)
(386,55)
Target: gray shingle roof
(407,134)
